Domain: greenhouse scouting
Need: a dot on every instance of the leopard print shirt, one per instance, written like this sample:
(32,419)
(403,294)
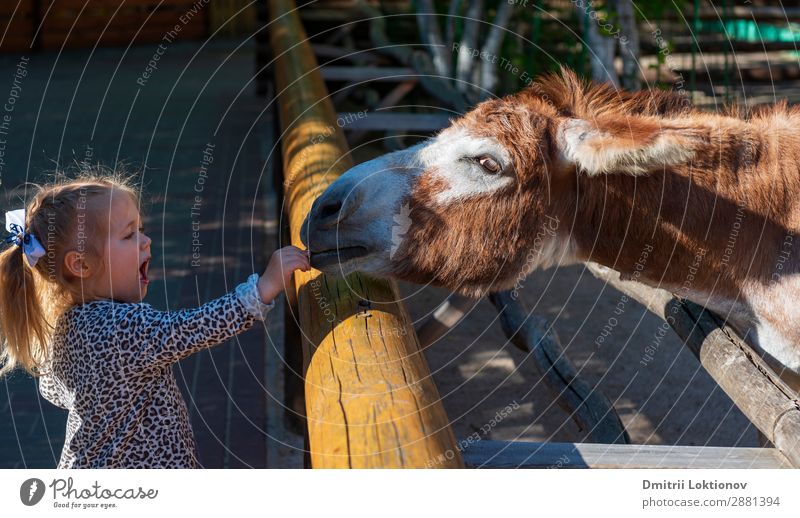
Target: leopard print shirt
(111,367)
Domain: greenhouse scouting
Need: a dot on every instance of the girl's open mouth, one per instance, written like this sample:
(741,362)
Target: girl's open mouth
(143,272)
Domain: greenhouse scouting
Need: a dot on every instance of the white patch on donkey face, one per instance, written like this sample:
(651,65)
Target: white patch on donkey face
(452,155)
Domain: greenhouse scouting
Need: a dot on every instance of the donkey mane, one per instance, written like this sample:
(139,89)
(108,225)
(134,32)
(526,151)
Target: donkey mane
(575,97)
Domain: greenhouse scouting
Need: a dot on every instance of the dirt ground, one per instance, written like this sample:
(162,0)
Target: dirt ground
(663,398)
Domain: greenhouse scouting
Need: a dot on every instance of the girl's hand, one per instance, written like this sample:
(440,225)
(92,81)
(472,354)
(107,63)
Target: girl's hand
(278,274)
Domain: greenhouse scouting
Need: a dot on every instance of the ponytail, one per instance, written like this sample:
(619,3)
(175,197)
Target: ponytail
(32,298)
(23,322)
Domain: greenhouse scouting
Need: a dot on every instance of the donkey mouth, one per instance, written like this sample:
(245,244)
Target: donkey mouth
(327,258)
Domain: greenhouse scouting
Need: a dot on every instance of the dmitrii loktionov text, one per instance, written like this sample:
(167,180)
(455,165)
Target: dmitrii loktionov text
(692,484)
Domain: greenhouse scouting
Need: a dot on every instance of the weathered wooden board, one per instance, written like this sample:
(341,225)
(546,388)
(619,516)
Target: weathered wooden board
(383,74)
(763,398)
(520,454)
(383,121)
(76,23)
(16,25)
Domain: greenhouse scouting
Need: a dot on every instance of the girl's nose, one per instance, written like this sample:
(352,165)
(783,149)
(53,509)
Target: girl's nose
(144,241)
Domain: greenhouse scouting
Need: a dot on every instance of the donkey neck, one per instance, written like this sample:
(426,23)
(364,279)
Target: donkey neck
(712,225)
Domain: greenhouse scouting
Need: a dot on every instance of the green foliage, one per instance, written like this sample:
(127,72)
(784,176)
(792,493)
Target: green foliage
(544,34)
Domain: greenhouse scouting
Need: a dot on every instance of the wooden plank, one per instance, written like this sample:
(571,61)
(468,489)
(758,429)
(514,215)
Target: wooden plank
(140,21)
(18,40)
(17,8)
(15,45)
(15,42)
(520,454)
(340,53)
(121,21)
(370,398)
(121,29)
(760,394)
(393,121)
(392,98)
(16,27)
(111,5)
(721,45)
(116,38)
(760,13)
(344,14)
(361,74)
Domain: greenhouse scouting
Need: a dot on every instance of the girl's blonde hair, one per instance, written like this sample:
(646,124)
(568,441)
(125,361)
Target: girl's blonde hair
(64,215)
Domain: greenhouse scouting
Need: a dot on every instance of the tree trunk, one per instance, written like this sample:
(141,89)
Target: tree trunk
(601,49)
(432,37)
(468,42)
(628,45)
(450,25)
(492,47)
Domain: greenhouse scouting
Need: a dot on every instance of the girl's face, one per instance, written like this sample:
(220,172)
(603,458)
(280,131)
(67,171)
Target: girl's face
(127,253)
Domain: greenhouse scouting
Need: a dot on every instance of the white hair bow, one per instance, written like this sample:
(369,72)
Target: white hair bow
(15,224)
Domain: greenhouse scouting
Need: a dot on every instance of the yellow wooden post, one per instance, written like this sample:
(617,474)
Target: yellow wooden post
(370,398)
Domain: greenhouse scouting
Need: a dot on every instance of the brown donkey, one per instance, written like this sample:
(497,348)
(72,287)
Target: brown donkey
(704,205)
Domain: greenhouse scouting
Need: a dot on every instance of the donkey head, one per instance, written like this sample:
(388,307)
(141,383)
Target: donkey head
(494,195)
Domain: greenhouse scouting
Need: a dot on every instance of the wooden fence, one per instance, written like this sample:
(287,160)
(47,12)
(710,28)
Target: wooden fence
(54,24)
(370,398)
(16,25)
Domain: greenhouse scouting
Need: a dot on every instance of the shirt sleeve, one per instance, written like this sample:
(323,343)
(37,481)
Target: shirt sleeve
(54,391)
(161,338)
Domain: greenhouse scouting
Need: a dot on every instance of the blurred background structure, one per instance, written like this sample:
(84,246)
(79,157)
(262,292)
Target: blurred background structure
(724,49)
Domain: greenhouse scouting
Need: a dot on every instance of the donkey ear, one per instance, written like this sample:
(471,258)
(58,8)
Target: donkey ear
(626,144)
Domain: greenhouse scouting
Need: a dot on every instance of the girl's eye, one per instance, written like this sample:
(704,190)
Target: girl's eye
(141,231)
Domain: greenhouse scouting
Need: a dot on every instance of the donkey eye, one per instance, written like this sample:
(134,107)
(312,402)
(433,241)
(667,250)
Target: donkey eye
(488,164)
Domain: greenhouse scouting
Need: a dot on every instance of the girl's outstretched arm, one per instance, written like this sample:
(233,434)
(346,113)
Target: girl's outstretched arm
(160,338)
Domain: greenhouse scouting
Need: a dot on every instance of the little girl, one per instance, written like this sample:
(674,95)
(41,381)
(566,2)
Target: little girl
(71,312)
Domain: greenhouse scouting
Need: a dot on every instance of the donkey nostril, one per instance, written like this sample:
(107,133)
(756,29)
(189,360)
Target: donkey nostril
(329,210)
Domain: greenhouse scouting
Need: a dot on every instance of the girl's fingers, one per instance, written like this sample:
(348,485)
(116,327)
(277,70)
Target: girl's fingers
(299,254)
(292,258)
(303,256)
(296,252)
(298,257)
(295,263)
(289,255)
(294,249)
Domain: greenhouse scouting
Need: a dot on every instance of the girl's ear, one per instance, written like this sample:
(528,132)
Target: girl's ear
(626,144)
(75,263)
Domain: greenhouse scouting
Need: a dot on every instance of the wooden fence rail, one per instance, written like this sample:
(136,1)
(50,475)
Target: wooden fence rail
(370,398)
(762,397)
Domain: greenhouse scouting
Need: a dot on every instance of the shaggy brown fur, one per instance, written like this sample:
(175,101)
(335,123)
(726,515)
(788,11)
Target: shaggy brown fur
(732,205)
(706,205)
